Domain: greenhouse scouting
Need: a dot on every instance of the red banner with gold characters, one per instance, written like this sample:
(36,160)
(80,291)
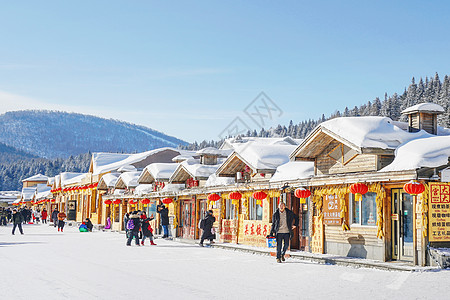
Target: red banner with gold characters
(439,212)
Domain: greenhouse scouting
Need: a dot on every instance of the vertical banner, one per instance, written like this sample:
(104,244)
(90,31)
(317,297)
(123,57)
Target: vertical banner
(439,212)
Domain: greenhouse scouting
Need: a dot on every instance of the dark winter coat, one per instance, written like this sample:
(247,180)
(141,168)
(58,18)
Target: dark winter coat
(89,225)
(137,222)
(207,227)
(146,227)
(17,218)
(291,219)
(164,213)
(55,215)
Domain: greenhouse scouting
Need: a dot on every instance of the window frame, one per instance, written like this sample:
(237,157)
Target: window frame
(351,199)
(252,209)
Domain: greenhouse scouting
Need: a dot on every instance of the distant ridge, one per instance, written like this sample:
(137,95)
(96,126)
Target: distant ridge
(53,134)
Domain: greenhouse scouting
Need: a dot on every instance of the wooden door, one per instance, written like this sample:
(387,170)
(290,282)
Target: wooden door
(189,218)
(293,204)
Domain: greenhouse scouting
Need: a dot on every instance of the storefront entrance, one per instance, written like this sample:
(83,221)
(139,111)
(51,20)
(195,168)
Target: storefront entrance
(188,218)
(402,225)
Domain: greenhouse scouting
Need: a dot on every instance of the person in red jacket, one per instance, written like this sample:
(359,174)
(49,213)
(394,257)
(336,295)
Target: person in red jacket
(44,216)
(61,217)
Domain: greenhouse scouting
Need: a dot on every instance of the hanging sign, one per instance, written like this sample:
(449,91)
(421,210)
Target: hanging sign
(331,210)
(439,212)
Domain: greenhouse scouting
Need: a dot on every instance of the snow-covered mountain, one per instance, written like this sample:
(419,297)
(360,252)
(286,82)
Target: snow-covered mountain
(53,134)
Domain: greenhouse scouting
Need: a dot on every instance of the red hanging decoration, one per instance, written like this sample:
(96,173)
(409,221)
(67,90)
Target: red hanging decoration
(358,189)
(235,196)
(414,188)
(108,201)
(213,197)
(302,194)
(259,195)
(145,201)
(117,201)
(167,200)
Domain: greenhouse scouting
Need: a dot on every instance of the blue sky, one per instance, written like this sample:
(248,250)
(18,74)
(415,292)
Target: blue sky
(188,68)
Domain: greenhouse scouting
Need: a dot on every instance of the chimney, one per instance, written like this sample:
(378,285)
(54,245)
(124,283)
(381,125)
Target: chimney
(423,116)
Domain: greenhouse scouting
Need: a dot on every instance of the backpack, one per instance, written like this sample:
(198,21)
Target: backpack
(202,224)
(130,224)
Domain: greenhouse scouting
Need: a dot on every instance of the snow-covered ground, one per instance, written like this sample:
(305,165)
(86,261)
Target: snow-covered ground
(45,264)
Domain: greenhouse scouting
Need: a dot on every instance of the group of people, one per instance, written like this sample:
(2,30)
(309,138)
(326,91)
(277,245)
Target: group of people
(58,218)
(23,215)
(137,226)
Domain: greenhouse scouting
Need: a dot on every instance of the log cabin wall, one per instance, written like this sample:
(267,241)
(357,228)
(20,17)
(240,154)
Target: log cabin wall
(360,163)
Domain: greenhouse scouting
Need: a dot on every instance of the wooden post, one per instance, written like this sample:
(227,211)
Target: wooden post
(414,230)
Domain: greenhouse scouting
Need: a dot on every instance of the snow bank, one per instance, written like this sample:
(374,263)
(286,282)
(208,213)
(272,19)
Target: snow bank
(293,170)
(429,152)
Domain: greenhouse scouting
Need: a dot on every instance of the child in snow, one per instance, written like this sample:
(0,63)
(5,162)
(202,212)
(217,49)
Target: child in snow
(83,227)
(147,230)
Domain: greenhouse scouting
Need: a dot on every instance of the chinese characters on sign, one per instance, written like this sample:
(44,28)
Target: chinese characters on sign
(254,232)
(331,210)
(439,212)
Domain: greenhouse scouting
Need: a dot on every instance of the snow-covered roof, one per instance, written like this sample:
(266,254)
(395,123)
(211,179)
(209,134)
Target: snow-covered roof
(265,157)
(143,189)
(428,152)
(37,177)
(105,162)
(214,151)
(127,168)
(232,143)
(58,181)
(182,157)
(159,171)
(173,187)
(43,192)
(109,180)
(51,181)
(127,180)
(68,178)
(28,193)
(424,107)
(214,180)
(293,170)
(193,168)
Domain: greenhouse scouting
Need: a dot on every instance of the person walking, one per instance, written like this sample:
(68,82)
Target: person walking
(207,226)
(3,217)
(23,211)
(164,214)
(54,217)
(133,225)
(37,215)
(147,230)
(126,218)
(44,216)
(17,219)
(61,217)
(284,222)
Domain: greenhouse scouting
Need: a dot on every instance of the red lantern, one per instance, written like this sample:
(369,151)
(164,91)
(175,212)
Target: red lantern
(414,188)
(167,201)
(145,201)
(213,197)
(133,202)
(259,195)
(53,200)
(108,201)
(302,194)
(358,189)
(117,201)
(235,195)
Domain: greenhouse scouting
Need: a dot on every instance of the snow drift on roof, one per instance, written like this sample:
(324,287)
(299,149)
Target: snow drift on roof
(110,179)
(371,132)
(143,189)
(173,187)
(265,157)
(424,107)
(68,178)
(127,168)
(429,152)
(28,193)
(37,177)
(161,171)
(214,151)
(130,179)
(195,169)
(293,170)
(106,162)
(232,143)
(214,180)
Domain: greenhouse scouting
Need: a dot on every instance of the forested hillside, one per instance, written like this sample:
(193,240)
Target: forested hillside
(53,134)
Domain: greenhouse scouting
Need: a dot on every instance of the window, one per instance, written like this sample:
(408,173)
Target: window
(255,210)
(364,212)
(230,212)
(342,154)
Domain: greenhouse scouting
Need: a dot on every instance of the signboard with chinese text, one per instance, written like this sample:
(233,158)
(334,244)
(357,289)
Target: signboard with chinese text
(317,238)
(229,231)
(331,210)
(439,212)
(254,233)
